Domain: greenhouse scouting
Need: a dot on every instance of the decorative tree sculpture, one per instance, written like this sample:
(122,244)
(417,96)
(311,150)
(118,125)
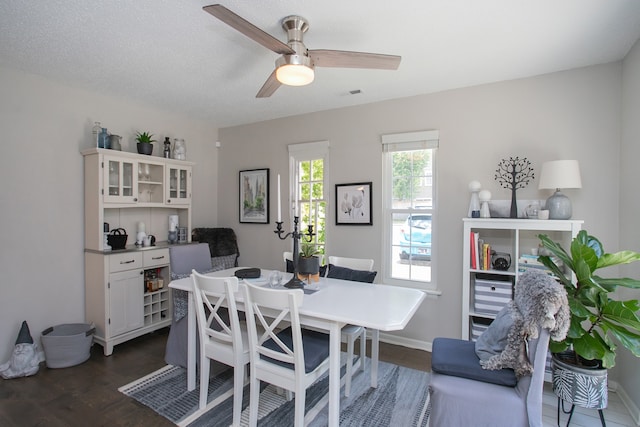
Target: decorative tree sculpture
(513,174)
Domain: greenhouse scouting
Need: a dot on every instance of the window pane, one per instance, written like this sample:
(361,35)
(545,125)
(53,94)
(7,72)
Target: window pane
(304,192)
(305,169)
(410,214)
(317,170)
(317,191)
(312,205)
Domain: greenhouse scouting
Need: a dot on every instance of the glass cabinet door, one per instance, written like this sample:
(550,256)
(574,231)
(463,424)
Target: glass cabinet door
(120,182)
(179,185)
(150,182)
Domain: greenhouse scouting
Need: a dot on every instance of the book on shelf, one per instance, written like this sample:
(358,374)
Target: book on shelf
(475,244)
(479,252)
(486,255)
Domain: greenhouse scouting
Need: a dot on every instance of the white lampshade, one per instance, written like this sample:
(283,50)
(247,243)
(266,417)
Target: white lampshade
(560,174)
(294,70)
(556,175)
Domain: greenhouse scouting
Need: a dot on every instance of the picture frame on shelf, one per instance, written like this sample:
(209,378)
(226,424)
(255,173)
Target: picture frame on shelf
(254,196)
(353,204)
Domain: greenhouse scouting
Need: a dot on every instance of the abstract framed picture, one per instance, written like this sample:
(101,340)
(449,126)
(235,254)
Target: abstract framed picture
(254,196)
(353,204)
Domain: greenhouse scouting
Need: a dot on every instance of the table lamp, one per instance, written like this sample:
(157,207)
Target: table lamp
(559,174)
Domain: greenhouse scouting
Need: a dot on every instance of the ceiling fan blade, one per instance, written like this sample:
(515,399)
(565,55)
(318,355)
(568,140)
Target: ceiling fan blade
(271,85)
(348,59)
(248,29)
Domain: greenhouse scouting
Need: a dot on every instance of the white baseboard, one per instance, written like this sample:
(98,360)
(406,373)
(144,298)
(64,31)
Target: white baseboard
(633,409)
(405,342)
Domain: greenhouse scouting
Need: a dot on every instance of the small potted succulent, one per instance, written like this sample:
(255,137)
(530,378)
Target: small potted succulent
(308,262)
(145,142)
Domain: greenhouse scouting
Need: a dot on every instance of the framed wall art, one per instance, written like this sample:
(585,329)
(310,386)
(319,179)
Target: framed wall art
(254,196)
(353,204)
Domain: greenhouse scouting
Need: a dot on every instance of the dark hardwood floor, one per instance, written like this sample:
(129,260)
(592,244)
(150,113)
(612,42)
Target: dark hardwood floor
(87,394)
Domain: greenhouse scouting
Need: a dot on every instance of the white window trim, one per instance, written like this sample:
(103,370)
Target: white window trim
(419,140)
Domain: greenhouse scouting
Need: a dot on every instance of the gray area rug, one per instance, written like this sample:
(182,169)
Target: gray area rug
(401,399)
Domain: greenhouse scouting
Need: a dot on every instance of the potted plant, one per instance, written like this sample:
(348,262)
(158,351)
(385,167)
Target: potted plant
(599,322)
(145,142)
(308,262)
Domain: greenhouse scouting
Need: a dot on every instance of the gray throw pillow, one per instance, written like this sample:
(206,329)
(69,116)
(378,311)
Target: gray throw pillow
(344,273)
(494,340)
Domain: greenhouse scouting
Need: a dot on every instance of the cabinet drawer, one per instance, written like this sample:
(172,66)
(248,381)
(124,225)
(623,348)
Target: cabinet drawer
(125,261)
(155,258)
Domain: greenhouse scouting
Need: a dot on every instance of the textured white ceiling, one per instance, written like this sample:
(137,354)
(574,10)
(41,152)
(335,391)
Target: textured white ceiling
(172,54)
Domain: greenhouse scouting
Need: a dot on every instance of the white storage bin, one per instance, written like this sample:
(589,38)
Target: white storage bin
(478,326)
(67,345)
(491,295)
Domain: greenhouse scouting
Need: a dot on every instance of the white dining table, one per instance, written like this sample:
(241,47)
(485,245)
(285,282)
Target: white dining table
(334,304)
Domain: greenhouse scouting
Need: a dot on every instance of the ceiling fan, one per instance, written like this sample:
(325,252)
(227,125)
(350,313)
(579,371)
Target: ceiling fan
(295,66)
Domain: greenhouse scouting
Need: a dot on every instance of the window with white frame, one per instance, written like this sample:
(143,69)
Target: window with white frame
(308,165)
(409,203)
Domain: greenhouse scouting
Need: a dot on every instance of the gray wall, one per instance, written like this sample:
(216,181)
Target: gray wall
(44,126)
(628,372)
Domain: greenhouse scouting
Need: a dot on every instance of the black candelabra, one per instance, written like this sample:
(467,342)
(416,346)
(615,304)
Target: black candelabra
(295,282)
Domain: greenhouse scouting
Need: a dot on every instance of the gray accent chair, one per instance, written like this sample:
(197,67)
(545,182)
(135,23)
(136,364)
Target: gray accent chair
(458,400)
(217,250)
(183,259)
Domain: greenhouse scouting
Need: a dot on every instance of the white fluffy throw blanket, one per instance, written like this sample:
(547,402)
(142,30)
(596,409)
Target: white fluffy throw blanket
(539,302)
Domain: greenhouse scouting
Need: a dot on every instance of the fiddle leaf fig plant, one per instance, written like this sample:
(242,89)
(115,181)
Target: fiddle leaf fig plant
(598,321)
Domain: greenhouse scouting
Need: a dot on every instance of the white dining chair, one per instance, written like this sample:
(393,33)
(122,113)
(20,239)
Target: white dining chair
(292,358)
(351,333)
(222,336)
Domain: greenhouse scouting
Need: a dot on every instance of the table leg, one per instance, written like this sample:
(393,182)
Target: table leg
(375,349)
(334,375)
(191,344)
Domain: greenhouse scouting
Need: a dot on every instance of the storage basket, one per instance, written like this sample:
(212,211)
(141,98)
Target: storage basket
(117,239)
(478,326)
(67,345)
(491,295)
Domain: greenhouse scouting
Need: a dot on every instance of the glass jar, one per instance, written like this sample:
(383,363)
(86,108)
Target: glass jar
(95,132)
(179,149)
(103,139)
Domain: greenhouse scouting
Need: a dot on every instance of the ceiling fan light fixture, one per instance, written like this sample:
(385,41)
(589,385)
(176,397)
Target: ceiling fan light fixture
(294,70)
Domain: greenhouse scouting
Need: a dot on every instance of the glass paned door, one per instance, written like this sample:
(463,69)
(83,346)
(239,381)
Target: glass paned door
(179,185)
(120,181)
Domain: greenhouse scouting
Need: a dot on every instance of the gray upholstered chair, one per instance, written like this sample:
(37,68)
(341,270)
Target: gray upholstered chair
(464,394)
(183,259)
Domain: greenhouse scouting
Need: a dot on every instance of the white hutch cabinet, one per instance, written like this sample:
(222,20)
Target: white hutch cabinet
(124,189)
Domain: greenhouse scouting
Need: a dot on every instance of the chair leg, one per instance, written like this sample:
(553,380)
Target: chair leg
(204,381)
(238,384)
(350,347)
(363,348)
(300,401)
(254,396)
